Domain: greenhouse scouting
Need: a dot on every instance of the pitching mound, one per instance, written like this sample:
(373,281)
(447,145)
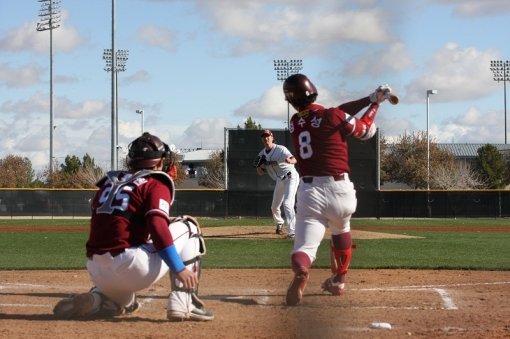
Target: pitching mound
(268,232)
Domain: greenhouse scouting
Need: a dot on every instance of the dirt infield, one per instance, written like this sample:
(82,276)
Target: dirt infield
(251,303)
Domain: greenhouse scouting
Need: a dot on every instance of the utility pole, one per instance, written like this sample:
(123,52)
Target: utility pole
(49,16)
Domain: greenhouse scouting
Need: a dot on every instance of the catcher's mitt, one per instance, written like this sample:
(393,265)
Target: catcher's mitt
(259,161)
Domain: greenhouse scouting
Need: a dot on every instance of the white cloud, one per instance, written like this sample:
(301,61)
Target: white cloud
(157,37)
(258,25)
(476,8)
(138,76)
(21,76)
(27,38)
(62,106)
(391,59)
(271,104)
(457,73)
(205,133)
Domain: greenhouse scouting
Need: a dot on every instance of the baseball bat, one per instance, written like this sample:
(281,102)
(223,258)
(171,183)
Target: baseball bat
(393,99)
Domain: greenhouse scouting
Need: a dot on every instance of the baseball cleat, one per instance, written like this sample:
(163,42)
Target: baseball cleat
(80,305)
(291,236)
(335,288)
(279,229)
(197,314)
(297,287)
(130,309)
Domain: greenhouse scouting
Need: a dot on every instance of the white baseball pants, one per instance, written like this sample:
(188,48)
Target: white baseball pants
(323,203)
(284,195)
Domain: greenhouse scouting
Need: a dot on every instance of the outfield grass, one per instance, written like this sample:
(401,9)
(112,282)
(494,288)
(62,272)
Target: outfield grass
(433,250)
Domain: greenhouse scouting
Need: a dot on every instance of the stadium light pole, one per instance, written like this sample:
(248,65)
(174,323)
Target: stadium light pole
(429,93)
(115,64)
(140,111)
(501,70)
(121,57)
(284,69)
(49,20)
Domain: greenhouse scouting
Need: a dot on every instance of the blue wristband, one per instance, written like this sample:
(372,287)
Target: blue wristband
(172,258)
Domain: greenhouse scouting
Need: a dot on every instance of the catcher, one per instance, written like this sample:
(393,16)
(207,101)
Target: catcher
(278,163)
(133,242)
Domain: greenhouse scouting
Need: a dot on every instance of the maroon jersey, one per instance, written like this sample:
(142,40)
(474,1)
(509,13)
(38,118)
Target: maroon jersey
(121,206)
(319,136)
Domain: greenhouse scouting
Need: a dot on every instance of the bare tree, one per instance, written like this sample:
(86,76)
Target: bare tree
(454,174)
(214,176)
(405,161)
(75,173)
(87,177)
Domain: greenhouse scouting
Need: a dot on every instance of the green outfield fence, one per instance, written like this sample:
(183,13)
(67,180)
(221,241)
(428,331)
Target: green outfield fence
(53,203)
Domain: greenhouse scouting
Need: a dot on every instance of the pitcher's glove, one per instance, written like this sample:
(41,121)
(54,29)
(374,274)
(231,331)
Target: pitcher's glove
(259,161)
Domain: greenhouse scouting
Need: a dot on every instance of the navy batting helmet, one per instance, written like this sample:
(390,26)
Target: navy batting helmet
(299,91)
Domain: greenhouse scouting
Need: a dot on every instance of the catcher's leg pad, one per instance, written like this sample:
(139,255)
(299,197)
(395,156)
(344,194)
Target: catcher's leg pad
(187,306)
(190,245)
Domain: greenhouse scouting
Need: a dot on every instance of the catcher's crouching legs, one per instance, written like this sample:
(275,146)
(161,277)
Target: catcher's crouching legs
(184,304)
(92,304)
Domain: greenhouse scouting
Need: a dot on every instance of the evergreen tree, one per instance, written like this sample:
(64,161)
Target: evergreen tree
(491,166)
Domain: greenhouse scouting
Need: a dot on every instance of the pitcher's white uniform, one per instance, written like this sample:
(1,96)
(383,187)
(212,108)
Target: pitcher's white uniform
(287,180)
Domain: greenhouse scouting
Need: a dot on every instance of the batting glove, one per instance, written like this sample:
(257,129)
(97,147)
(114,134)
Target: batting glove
(385,89)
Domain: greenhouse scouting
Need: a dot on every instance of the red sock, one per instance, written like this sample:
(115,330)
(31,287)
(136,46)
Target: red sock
(300,260)
(342,250)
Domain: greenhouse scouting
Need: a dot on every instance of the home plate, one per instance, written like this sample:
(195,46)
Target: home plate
(380,326)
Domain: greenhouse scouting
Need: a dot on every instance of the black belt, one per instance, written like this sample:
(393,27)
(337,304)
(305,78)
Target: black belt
(113,253)
(116,252)
(337,177)
(285,176)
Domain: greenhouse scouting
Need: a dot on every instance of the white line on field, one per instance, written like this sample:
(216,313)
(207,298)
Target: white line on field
(20,285)
(447,301)
(417,287)
(25,305)
(262,296)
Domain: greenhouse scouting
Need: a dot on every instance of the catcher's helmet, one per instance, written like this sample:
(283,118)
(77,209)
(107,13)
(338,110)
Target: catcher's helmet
(146,151)
(299,91)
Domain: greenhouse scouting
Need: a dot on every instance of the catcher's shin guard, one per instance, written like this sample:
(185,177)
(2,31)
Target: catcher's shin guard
(184,304)
(191,246)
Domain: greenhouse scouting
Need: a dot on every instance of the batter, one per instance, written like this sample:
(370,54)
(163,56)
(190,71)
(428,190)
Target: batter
(326,197)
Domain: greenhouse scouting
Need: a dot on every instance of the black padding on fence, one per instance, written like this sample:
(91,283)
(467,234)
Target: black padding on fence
(218,203)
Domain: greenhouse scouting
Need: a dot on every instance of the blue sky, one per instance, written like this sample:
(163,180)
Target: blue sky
(197,67)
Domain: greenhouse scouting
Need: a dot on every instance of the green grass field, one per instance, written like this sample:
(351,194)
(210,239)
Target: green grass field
(435,249)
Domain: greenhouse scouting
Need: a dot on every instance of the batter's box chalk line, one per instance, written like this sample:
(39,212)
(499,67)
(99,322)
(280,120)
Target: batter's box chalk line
(441,290)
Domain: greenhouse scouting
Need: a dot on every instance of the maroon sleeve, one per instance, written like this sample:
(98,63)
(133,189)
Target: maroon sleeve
(354,107)
(157,215)
(160,232)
